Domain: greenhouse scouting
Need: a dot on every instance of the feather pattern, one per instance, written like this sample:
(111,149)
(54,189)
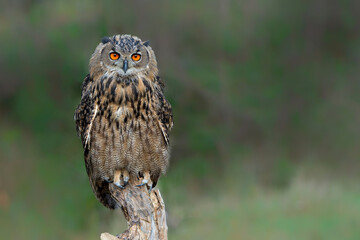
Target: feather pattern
(123,118)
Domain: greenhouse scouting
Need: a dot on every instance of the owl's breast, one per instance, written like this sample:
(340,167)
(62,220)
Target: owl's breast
(128,135)
(128,142)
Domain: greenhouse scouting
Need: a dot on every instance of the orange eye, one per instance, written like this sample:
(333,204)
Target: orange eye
(114,56)
(136,57)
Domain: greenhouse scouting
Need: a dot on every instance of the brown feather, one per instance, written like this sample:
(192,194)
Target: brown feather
(123,120)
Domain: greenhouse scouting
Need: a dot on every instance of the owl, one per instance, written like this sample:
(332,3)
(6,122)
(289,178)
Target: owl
(123,118)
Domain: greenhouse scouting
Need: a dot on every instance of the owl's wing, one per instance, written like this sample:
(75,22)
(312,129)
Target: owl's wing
(85,113)
(165,117)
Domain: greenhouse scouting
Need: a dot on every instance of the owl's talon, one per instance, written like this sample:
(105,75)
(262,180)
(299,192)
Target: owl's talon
(117,182)
(142,183)
(119,185)
(108,180)
(126,180)
(121,178)
(146,180)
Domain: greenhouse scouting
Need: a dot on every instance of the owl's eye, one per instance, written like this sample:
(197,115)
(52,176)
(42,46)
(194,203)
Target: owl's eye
(114,56)
(136,57)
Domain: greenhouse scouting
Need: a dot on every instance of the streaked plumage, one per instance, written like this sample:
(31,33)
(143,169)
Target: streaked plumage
(123,118)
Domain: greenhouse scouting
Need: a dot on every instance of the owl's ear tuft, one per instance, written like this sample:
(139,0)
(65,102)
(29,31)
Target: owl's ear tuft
(147,43)
(105,40)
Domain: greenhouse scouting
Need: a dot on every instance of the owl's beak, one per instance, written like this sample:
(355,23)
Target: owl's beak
(125,65)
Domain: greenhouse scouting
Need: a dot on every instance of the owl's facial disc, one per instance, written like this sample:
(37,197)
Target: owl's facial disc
(125,55)
(126,64)
(119,63)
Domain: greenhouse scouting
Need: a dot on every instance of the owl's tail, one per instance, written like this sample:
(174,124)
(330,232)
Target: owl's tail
(102,193)
(99,186)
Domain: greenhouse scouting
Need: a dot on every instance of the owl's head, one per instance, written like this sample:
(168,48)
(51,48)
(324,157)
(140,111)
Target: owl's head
(123,55)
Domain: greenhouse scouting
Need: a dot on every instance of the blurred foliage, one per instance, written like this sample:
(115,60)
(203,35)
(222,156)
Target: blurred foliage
(259,89)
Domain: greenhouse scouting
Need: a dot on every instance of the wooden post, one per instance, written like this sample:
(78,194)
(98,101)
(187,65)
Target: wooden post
(144,212)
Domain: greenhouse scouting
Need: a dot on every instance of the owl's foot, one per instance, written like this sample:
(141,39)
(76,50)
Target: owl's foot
(146,181)
(121,178)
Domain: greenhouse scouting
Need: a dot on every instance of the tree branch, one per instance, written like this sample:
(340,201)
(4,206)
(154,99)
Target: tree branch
(143,211)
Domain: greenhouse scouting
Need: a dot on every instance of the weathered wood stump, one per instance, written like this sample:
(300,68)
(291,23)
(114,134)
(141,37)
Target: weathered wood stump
(143,211)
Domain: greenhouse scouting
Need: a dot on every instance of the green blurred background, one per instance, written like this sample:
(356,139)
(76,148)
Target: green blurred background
(265,97)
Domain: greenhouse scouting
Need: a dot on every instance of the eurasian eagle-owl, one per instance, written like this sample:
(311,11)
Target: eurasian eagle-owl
(123,118)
